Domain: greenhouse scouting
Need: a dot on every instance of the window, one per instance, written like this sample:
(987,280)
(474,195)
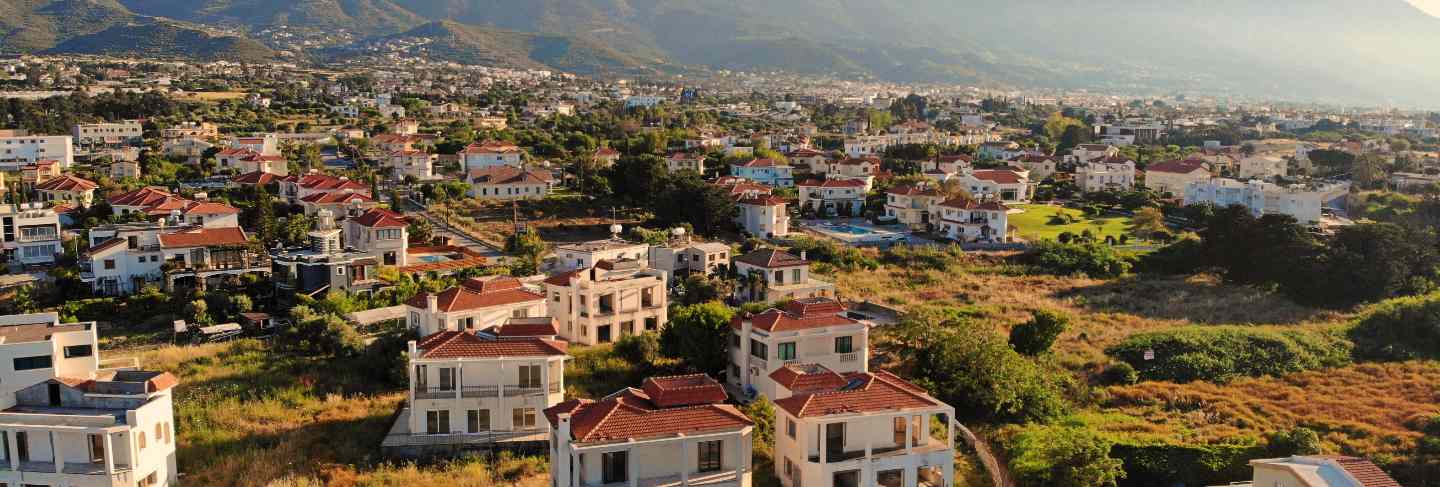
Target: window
(789,467)
(140,439)
(73,351)
(97,448)
(159,432)
(710,452)
(614,467)
(899,435)
(520,313)
(523,418)
(844,344)
(422,378)
(109,264)
(437,422)
(22,446)
(758,349)
(790,427)
(529,376)
(32,363)
(477,420)
(652,323)
(447,379)
(735,340)
(786,351)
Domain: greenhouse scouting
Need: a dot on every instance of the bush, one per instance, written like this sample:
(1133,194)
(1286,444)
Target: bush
(1120,373)
(639,349)
(1088,258)
(1182,257)
(1063,455)
(1399,329)
(1035,337)
(697,335)
(320,335)
(1297,441)
(977,372)
(1219,354)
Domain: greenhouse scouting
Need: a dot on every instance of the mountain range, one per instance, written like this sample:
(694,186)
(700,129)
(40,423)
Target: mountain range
(1376,51)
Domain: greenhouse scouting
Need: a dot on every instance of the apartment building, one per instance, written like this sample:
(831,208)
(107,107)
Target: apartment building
(91,138)
(69,420)
(30,234)
(380,233)
(19,149)
(765,348)
(1304,203)
(669,431)
(475,305)
(769,275)
(861,429)
(682,258)
(469,392)
(583,255)
(613,299)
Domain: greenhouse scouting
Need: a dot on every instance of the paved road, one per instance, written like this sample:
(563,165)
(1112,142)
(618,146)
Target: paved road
(455,236)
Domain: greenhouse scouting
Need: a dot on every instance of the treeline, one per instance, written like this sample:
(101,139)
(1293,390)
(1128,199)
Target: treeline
(56,115)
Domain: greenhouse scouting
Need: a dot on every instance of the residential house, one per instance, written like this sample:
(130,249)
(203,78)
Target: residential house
(682,257)
(419,165)
(766,349)
(1089,152)
(1263,166)
(68,190)
(337,202)
(966,220)
(380,233)
(945,166)
(406,126)
(325,265)
(1173,177)
(475,305)
(583,255)
(1112,173)
(124,258)
(833,196)
(607,302)
(295,188)
(151,201)
(124,170)
(669,431)
(606,156)
(765,171)
(482,155)
(30,234)
(241,160)
(1000,150)
(510,183)
(189,147)
(1040,166)
(1305,202)
(910,205)
(264,144)
(18,149)
(861,428)
(763,216)
(392,143)
(473,391)
(1008,185)
(681,161)
(90,138)
(38,172)
(1317,471)
(68,421)
(769,275)
(202,130)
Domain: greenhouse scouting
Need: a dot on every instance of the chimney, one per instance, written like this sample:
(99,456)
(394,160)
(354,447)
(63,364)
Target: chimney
(432,303)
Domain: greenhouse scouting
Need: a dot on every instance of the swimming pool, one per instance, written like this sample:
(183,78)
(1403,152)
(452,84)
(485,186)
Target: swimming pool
(852,230)
(432,259)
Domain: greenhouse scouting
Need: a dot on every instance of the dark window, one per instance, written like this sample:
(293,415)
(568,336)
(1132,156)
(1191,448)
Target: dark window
(787,351)
(478,420)
(847,479)
(735,340)
(79,351)
(844,345)
(758,349)
(32,363)
(710,452)
(614,467)
(790,427)
(437,422)
(22,446)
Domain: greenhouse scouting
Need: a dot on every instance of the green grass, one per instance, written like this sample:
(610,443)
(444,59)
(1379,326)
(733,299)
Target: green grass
(1038,223)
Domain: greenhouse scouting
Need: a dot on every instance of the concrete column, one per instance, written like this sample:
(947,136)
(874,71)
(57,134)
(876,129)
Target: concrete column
(909,425)
(685,462)
(109,456)
(633,467)
(500,399)
(823,444)
(458,377)
(55,454)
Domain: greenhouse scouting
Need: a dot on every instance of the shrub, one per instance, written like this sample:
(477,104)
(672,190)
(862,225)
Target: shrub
(1063,455)
(322,335)
(1182,257)
(1120,373)
(697,335)
(1296,441)
(1035,337)
(977,372)
(1399,329)
(1088,258)
(639,349)
(1220,354)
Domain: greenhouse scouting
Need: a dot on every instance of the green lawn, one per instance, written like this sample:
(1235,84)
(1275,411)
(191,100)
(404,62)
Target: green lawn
(1037,223)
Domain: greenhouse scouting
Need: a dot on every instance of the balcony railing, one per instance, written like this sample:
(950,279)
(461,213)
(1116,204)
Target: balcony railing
(849,357)
(479,391)
(434,393)
(519,391)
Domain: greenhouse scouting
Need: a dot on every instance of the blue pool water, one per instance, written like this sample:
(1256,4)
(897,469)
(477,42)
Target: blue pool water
(853,230)
(432,259)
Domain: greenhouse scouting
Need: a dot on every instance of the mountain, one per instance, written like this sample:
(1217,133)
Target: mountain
(164,40)
(31,25)
(469,44)
(371,16)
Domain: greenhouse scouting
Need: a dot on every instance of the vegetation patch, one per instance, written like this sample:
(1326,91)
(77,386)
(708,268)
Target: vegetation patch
(1222,354)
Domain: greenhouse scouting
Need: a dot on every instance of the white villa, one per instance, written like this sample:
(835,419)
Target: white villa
(765,347)
(769,275)
(611,300)
(967,220)
(474,305)
(1304,203)
(1105,174)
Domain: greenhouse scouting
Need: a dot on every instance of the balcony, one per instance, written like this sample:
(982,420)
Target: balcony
(849,357)
(520,391)
(434,393)
(716,479)
(844,456)
(479,391)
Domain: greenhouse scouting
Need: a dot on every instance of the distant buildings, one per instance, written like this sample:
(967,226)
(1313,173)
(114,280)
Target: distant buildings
(1110,173)
(18,148)
(765,171)
(92,138)
(1304,203)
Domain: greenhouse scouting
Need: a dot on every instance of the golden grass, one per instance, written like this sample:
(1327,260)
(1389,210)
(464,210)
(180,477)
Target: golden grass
(1371,410)
(216,95)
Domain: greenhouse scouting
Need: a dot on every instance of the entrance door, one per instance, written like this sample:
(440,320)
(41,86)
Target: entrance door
(834,440)
(602,334)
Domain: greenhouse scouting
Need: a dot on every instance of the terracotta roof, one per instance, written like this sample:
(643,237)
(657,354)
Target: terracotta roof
(256,177)
(237,152)
(1000,176)
(1178,166)
(956,158)
(762,200)
(606,151)
(203,237)
(807,378)
(963,203)
(143,197)
(562,279)
(329,183)
(161,382)
(631,414)
(761,163)
(209,208)
(459,344)
(512,328)
(908,190)
(857,161)
(66,183)
(510,175)
(833,183)
(809,313)
(862,393)
(805,153)
(683,390)
(329,197)
(1365,472)
(771,258)
(380,218)
(476,294)
(490,147)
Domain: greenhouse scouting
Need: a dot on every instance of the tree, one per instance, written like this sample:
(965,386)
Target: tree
(1065,455)
(1369,262)
(697,335)
(1399,329)
(640,349)
(320,335)
(1083,257)
(1147,223)
(1035,337)
(639,181)
(420,230)
(527,248)
(699,288)
(972,368)
(1056,125)
(1296,441)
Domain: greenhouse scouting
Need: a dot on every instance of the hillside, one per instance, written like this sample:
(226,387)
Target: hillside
(470,44)
(30,25)
(367,16)
(164,40)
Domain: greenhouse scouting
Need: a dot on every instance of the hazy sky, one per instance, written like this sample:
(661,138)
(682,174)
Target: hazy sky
(1431,7)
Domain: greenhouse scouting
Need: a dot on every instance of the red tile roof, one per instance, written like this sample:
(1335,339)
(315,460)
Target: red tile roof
(209,208)
(511,330)
(459,344)
(908,190)
(606,152)
(807,378)
(510,175)
(490,147)
(476,294)
(859,161)
(1365,472)
(761,163)
(337,197)
(204,237)
(1000,176)
(631,414)
(771,258)
(683,390)
(66,183)
(956,158)
(761,200)
(323,182)
(802,314)
(144,197)
(381,218)
(562,279)
(833,183)
(963,203)
(863,393)
(256,177)
(1178,166)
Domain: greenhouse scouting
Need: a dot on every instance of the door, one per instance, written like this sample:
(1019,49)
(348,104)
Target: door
(834,440)
(54,394)
(97,448)
(602,334)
